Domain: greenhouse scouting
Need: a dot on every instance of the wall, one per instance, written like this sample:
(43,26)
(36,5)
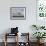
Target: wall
(24,25)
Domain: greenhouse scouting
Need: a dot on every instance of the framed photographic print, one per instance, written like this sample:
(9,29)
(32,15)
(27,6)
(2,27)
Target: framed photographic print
(17,13)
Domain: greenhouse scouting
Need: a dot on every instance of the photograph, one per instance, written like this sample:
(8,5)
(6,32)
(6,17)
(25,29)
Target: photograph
(17,13)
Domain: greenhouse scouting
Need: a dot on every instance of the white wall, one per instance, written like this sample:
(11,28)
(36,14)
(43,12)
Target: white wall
(24,25)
